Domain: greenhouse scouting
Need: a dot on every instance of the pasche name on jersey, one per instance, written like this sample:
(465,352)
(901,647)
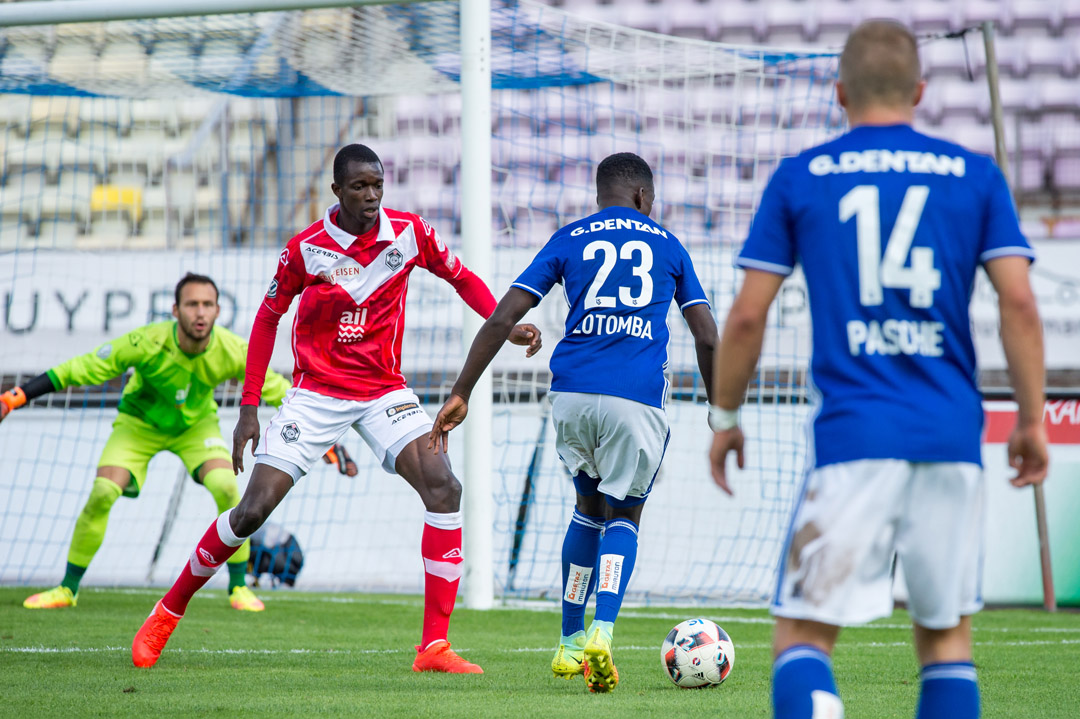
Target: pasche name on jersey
(596,323)
(893,337)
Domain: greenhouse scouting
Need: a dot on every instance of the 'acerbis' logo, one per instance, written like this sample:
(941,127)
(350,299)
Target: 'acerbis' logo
(290,432)
(394,259)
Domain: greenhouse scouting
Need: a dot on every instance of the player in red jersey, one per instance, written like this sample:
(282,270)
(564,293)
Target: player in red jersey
(350,271)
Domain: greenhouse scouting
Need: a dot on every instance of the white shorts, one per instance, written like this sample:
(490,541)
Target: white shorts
(308,423)
(617,440)
(854,517)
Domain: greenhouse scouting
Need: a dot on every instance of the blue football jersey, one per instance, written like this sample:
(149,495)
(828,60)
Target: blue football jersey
(620,272)
(889,226)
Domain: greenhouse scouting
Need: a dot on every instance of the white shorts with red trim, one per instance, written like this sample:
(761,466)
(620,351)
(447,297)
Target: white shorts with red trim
(853,518)
(308,424)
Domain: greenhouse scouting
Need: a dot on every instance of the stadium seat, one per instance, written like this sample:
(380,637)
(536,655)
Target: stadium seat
(1051,56)
(692,19)
(1041,16)
(71,58)
(28,157)
(171,58)
(934,16)
(160,115)
(14,234)
(123,62)
(57,233)
(1058,94)
(220,60)
(976,12)
(99,116)
(1067,173)
(944,58)
(25,60)
(740,22)
(15,112)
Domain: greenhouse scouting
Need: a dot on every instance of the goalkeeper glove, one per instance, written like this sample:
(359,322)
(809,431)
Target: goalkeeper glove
(11,401)
(339,456)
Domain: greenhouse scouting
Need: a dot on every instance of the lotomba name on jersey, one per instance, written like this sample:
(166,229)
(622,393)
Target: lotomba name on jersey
(600,324)
(888,161)
(893,337)
(617,224)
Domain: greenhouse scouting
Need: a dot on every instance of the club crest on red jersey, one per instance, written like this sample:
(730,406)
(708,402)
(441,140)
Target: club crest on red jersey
(394,259)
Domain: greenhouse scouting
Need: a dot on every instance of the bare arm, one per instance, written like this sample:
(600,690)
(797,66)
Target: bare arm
(702,326)
(740,347)
(1021,337)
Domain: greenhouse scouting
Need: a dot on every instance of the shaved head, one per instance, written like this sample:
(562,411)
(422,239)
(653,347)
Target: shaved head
(879,66)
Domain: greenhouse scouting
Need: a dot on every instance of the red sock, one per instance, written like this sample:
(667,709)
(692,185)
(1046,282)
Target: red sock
(216,546)
(441,549)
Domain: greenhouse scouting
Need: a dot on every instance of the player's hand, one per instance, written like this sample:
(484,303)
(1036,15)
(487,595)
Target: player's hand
(1028,455)
(247,428)
(451,415)
(339,455)
(11,401)
(527,335)
(724,442)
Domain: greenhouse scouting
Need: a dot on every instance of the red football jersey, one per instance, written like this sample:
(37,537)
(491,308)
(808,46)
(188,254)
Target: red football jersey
(346,336)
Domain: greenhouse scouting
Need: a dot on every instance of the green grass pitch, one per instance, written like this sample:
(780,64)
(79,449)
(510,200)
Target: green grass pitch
(349,655)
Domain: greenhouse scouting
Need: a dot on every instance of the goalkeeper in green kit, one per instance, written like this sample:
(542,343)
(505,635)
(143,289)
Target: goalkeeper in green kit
(167,405)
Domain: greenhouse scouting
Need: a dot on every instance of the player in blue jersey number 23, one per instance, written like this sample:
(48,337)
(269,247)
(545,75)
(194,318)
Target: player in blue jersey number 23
(620,272)
(889,226)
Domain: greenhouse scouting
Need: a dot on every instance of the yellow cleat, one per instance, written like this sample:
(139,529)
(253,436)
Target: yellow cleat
(567,662)
(55,598)
(245,600)
(601,676)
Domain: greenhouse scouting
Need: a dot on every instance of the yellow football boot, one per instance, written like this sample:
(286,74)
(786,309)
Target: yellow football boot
(245,600)
(55,598)
(569,655)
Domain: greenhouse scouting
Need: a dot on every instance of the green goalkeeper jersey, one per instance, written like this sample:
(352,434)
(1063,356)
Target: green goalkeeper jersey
(169,389)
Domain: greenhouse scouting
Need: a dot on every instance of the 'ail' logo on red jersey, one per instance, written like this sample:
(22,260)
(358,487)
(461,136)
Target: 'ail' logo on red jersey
(351,325)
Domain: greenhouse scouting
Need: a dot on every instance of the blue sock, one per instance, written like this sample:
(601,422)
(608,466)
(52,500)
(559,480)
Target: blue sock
(618,550)
(949,691)
(579,569)
(802,678)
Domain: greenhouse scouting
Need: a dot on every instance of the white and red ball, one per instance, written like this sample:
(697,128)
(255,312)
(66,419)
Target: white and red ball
(697,653)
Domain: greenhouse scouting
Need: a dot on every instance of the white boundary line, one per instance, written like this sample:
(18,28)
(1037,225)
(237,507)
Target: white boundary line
(40,649)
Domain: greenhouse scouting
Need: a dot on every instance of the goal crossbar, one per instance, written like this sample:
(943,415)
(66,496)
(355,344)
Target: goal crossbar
(46,12)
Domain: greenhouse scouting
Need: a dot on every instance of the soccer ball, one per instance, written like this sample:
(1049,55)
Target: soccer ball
(697,653)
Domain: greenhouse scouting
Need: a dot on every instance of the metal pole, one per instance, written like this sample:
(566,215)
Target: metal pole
(47,12)
(475,193)
(1002,157)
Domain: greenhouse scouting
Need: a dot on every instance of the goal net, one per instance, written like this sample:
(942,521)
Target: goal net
(135,151)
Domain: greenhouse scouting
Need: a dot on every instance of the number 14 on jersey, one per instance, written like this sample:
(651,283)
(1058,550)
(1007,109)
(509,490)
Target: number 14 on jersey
(877,271)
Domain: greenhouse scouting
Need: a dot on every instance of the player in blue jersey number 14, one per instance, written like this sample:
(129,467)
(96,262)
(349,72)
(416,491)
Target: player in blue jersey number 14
(890,226)
(620,272)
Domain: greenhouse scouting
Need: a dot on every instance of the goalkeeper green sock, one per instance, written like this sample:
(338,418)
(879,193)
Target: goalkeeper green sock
(90,529)
(72,576)
(237,574)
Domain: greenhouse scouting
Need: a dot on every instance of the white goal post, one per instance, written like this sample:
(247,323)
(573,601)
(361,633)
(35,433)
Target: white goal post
(475,82)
